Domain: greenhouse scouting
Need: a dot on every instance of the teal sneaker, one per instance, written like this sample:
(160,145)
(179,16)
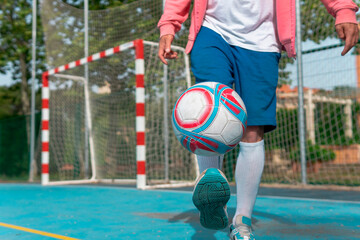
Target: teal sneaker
(211,193)
(241,229)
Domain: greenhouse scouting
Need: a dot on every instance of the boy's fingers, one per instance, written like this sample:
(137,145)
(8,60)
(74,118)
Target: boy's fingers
(348,32)
(162,58)
(171,55)
(165,51)
(340,31)
(349,43)
(168,41)
(161,52)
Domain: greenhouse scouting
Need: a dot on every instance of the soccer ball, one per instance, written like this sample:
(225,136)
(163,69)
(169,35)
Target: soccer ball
(209,119)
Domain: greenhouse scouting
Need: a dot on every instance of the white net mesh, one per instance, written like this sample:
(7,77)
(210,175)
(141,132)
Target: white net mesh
(158,135)
(113,116)
(331,123)
(331,106)
(67,129)
(332,109)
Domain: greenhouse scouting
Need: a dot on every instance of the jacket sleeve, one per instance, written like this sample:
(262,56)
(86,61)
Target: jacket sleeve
(343,10)
(175,13)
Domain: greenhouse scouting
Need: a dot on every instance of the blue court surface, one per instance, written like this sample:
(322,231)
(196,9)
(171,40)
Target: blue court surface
(33,212)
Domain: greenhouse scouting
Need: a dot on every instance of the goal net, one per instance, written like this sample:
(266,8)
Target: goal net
(115,125)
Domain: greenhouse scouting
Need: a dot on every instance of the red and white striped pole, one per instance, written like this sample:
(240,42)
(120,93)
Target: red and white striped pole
(140,115)
(45,130)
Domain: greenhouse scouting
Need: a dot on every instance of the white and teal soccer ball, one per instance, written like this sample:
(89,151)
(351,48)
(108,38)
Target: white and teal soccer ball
(209,119)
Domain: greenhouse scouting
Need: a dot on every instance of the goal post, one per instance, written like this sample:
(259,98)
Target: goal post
(124,144)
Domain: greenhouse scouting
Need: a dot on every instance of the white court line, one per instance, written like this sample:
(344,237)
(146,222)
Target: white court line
(307,199)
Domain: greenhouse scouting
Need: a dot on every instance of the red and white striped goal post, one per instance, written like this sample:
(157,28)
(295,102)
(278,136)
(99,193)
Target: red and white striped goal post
(138,45)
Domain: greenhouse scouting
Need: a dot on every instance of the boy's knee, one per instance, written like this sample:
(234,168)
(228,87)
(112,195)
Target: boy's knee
(253,134)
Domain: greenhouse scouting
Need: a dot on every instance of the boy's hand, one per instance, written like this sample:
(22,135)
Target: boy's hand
(349,32)
(165,48)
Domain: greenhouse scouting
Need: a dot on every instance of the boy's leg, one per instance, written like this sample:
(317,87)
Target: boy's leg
(256,76)
(206,162)
(249,168)
(211,59)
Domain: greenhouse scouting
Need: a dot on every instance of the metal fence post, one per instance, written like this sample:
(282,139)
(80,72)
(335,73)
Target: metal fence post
(301,117)
(33,76)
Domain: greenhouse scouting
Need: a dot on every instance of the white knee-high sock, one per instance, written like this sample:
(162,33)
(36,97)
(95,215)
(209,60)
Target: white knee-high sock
(249,168)
(206,162)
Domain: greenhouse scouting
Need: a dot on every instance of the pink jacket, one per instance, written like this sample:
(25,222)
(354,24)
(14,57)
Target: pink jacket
(177,11)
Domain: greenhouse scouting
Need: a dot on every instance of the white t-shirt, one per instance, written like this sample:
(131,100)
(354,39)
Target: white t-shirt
(249,24)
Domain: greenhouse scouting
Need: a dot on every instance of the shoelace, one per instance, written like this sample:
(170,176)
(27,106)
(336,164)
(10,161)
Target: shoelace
(244,231)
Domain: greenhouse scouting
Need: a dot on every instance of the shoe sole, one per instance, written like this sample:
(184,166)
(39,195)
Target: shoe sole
(210,197)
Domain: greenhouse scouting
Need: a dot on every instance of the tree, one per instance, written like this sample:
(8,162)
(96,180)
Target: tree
(317,23)
(15,50)
(10,101)
(15,45)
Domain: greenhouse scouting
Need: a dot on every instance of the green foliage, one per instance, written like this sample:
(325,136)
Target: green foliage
(314,152)
(98,4)
(355,111)
(10,101)
(317,23)
(286,133)
(330,124)
(284,76)
(16,39)
(14,148)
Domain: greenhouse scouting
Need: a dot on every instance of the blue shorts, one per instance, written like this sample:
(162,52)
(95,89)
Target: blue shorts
(254,74)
